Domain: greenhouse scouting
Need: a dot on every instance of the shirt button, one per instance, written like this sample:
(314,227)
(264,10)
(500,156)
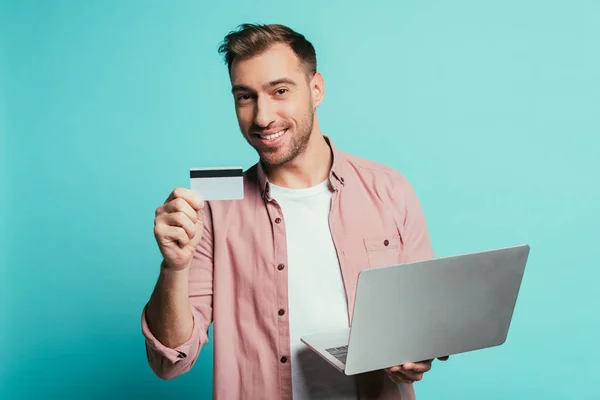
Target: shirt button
(280,267)
(283,360)
(386,242)
(277,220)
(281,312)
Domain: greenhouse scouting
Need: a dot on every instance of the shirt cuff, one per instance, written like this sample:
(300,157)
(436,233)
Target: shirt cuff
(190,348)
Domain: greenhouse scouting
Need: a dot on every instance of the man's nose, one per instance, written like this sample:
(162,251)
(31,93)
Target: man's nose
(265,114)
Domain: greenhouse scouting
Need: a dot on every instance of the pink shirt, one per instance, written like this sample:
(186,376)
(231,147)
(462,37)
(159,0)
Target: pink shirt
(239,281)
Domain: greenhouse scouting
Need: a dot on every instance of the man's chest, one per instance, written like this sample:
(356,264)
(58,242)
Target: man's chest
(253,250)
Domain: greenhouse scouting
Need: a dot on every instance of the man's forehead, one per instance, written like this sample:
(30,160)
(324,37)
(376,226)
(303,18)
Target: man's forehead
(276,62)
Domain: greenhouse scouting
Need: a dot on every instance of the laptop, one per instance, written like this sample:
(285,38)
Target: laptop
(428,309)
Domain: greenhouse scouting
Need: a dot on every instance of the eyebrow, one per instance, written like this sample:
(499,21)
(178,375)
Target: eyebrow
(244,88)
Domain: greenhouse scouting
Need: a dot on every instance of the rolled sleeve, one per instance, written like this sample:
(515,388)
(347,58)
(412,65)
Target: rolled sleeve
(188,350)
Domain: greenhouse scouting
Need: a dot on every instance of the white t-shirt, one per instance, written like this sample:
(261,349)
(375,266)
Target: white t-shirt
(317,300)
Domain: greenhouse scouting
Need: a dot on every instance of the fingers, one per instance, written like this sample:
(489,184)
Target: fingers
(193,199)
(409,372)
(167,233)
(180,205)
(183,209)
(180,219)
(199,230)
(412,376)
(399,376)
(420,367)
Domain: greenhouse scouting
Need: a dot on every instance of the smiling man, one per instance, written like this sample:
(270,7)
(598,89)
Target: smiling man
(284,261)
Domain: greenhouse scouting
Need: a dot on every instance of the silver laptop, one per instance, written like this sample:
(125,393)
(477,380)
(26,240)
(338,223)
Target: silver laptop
(428,309)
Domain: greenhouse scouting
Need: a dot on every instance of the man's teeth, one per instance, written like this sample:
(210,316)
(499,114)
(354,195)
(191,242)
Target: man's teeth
(273,136)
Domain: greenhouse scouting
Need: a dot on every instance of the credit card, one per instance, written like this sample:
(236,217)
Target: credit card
(222,183)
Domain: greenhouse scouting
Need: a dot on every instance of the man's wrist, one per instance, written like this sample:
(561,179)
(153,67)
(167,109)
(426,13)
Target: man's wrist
(171,273)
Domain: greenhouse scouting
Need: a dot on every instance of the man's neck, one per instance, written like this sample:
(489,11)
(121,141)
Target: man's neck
(308,169)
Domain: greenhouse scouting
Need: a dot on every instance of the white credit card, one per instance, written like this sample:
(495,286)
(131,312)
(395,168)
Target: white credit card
(222,183)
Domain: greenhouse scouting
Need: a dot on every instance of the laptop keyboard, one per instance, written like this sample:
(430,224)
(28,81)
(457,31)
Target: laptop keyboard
(339,353)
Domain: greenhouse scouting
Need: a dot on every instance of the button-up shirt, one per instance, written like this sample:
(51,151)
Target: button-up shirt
(238,277)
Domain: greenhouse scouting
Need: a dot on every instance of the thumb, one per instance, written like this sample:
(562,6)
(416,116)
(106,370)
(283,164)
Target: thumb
(199,227)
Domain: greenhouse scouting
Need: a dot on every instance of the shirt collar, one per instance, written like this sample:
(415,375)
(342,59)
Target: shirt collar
(336,174)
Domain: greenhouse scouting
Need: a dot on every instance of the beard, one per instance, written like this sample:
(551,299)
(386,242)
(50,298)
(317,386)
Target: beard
(297,143)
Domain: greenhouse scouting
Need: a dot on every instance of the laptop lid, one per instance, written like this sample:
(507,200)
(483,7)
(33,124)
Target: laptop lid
(428,309)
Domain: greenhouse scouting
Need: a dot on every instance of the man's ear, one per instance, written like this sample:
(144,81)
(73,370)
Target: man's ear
(317,89)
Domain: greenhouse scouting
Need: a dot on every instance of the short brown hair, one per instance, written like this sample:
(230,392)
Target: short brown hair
(251,40)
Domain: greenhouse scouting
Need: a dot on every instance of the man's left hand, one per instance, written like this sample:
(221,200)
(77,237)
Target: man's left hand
(410,372)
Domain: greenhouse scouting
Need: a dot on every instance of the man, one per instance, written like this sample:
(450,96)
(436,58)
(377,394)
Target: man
(284,261)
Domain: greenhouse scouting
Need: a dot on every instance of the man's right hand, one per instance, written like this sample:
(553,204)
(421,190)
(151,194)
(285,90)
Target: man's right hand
(178,227)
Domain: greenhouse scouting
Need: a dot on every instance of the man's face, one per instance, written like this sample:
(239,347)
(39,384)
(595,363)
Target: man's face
(275,103)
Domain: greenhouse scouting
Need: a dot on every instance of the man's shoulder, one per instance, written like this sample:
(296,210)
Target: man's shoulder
(381,173)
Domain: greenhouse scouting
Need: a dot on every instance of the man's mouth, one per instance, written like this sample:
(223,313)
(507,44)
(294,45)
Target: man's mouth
(272,136)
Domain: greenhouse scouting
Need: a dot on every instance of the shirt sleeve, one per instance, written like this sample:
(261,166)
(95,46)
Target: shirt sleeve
(168,363)
(412,222)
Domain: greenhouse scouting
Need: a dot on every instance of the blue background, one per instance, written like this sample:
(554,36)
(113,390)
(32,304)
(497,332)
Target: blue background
(489,108)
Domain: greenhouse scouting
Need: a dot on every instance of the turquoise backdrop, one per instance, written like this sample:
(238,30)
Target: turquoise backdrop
(490,108)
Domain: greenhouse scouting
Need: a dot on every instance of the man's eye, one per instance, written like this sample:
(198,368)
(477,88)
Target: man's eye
(281,91)
(244,97)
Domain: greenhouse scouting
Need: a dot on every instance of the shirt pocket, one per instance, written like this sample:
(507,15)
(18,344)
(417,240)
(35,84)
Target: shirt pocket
(383,251)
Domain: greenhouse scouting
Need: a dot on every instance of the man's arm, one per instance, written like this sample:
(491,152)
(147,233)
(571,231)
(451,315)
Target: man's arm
(417,247)
(175,320)
(168,313)
(411,218)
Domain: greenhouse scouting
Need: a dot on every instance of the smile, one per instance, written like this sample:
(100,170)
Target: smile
(273,136)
